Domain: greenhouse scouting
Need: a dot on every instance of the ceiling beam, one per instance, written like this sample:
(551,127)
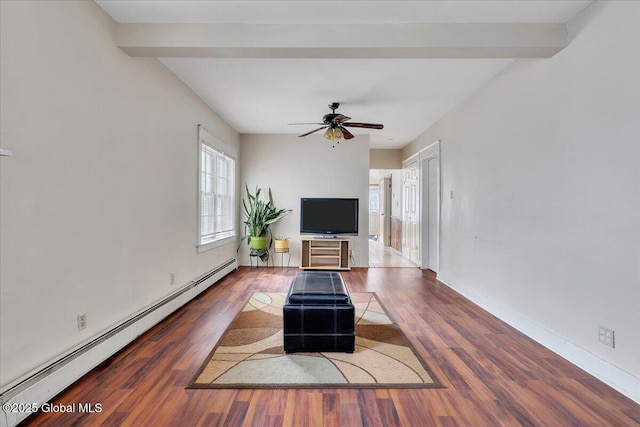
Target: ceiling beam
(342,41)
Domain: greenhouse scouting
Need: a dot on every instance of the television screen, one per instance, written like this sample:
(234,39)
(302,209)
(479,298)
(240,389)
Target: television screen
(328,216)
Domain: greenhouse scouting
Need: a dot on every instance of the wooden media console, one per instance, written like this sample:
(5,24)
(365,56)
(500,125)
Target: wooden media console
(325,254)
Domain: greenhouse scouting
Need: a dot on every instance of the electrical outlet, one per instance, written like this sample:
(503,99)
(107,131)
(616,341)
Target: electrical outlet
(82,321)
(607,336)
(172,278)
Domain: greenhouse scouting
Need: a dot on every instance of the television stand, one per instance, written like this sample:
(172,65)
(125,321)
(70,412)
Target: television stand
(325,253)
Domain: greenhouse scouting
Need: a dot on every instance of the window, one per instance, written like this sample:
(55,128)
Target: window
(217,198)
(374,195)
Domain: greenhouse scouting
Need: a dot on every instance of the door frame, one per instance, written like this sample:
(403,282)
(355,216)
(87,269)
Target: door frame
(408,250)
(384,210)
(428,153)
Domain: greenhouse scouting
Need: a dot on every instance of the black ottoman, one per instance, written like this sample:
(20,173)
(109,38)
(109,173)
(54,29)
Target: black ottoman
(318,314)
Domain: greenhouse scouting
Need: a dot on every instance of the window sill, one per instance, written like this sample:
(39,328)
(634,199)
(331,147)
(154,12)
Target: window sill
(203,247)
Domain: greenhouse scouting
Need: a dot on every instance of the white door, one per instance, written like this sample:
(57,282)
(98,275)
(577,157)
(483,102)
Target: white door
(374,213)
(431,208)
(385,211)
(411,213)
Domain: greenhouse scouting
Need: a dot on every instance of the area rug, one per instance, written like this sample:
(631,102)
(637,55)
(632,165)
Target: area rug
(250,353)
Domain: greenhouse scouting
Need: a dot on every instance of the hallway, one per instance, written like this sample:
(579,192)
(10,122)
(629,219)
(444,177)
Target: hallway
(385,256)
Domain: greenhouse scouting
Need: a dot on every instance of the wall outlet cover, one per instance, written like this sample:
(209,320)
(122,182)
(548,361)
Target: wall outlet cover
(607,336)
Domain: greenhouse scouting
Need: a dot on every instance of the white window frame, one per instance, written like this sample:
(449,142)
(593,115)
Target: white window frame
(208,140)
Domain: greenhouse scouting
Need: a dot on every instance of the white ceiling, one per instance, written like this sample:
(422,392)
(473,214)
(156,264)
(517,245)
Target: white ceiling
(263,95)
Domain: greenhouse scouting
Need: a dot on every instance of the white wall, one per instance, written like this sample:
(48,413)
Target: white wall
(99,198)
(544,165)
(307,167)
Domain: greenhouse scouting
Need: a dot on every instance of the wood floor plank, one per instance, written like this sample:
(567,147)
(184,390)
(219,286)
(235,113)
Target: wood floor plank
(237,413)
(330,406)
(370,412)
(494,375)
(388,412)
(315,406)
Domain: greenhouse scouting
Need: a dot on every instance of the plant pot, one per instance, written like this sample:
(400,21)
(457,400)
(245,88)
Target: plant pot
(259,243)
(282,245)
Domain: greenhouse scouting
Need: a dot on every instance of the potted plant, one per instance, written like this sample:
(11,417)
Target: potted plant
(259,216)
(282,244)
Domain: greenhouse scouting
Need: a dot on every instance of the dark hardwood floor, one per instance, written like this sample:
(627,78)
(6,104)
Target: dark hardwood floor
(494,375)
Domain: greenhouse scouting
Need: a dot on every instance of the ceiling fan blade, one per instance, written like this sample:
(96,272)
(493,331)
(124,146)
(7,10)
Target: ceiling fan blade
(305,123)
(363,125)
(346,133)
(315,130)
(340,118)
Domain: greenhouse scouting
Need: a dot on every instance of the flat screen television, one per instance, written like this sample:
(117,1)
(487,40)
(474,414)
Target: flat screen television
(328,216)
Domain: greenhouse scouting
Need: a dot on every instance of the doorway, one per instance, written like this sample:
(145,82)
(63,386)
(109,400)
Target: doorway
(411,212)
(430,196)
(385,219)
(421,199)
(431,209)
(384,206)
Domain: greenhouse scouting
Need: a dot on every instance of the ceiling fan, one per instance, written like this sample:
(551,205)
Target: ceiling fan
(336,125)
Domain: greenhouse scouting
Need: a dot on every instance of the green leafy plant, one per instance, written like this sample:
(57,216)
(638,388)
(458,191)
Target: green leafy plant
(260,214)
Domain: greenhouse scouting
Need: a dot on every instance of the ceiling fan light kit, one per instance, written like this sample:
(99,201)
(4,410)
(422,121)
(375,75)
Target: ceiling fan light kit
(332,134)
(336,125)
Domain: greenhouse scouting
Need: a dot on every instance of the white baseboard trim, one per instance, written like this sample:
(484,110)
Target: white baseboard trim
(52,378)
(613,376)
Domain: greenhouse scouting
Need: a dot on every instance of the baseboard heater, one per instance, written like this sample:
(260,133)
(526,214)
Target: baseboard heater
(48,381)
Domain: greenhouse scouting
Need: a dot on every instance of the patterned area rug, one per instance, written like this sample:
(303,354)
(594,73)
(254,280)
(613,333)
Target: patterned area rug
(250,353)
